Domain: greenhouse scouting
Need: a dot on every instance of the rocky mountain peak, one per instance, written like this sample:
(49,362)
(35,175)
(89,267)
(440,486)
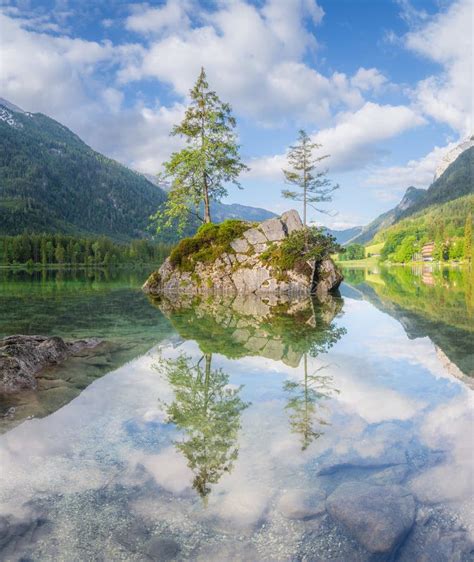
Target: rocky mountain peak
(11,106)
(412,196)
(452,155)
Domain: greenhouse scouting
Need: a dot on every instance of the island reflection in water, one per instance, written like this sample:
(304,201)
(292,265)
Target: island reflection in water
(206,408)
(315,398)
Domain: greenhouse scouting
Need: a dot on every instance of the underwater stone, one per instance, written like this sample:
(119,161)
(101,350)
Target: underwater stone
(161,549)
(378,517)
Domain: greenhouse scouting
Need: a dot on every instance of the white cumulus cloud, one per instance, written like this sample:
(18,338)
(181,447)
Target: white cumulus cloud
(447,39)
(353,141)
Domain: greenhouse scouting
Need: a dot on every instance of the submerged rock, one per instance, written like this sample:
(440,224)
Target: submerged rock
(23,357)
(245,264)
(298,504)
(378,517)
(162,548)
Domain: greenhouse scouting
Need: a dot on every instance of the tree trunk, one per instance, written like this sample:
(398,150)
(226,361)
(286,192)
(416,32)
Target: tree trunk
(304,205)
(207,207)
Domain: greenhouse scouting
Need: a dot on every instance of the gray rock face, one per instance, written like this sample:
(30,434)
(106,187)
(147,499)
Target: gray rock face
(378,517)
(274,230)
(243,269)
(240,245)
(328,277)
(255,236)
(248,280)
(22,357)
(292,221)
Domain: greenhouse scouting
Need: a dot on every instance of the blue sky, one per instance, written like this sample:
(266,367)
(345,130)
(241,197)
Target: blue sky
(383,85)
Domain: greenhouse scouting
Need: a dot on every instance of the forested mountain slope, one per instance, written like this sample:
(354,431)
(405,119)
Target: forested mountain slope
(456,181)
(344,236)
(411,197)
(51,181)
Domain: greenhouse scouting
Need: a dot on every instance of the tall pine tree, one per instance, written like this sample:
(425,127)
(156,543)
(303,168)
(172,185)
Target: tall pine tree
(200,172)
(313,185)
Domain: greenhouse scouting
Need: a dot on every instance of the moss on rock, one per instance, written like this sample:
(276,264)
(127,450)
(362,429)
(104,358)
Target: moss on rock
(210,242)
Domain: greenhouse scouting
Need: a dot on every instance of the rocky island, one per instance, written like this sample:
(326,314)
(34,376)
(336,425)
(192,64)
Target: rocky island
(277,256)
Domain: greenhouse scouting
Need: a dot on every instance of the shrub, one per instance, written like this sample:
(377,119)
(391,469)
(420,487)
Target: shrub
(300,247)
(209,242)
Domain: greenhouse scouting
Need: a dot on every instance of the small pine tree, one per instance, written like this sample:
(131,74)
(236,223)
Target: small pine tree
(313,186)
(200,171)
(59,253)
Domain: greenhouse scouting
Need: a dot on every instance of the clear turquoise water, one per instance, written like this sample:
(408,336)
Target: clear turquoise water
(216,429)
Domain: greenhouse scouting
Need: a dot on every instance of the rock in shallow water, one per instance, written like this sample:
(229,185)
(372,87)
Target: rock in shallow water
(22,357)
(378,517)
(162,548)
(298,504)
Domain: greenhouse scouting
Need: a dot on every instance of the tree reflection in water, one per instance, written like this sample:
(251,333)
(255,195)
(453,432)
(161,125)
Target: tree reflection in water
(208,412)
(305,403)
(278,328)
(306,396)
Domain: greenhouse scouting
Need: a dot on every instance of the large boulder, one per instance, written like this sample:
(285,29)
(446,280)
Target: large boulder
(22,357)
(378,517)
(243,267)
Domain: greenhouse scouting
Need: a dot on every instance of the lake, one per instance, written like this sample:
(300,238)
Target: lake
(242,428)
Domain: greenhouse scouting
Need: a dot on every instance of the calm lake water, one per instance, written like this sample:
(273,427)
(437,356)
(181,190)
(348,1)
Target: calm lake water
(242,428)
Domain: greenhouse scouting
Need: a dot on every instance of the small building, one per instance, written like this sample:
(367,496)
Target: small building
(427,251)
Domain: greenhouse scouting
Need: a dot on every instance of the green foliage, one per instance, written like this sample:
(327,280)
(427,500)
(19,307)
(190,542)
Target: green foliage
(445,225)
(300,246)
(313,186)
(467,246)
(406,250)
(59,249)
(306,412)
(353,252)
(51,181)
(210,241)
(200,171)
(429,300)
(454,183)
(440,294)
(208,412)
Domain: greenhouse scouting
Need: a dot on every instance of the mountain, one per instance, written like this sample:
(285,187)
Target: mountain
(456,180)
(452,155)
(51,181)
(346,235)
(8,105)
(222,211)
(412,196)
